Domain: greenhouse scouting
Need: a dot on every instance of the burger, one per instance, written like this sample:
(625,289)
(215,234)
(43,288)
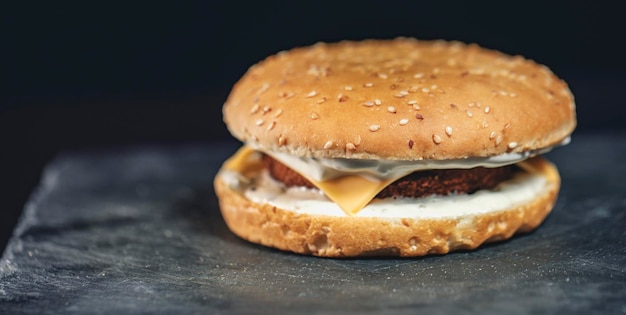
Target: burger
(397,147)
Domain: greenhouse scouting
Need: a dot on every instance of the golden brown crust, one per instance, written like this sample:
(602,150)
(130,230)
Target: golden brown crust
(399,99)
(331,236)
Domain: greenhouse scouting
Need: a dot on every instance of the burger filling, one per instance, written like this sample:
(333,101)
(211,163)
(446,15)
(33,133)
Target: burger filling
(354,186)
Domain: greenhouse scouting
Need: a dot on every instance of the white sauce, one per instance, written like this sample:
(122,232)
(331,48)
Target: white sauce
(520,189)
(321,169)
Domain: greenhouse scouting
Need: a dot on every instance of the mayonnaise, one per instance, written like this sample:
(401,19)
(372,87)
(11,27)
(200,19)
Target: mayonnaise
(321,169)
(522,188)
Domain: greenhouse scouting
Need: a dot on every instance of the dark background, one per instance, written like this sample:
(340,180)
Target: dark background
(105,74)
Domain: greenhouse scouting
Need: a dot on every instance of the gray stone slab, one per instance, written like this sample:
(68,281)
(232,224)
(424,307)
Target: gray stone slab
(138,230)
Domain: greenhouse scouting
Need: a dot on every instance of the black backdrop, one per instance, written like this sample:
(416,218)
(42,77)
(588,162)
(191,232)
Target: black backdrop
(105,74)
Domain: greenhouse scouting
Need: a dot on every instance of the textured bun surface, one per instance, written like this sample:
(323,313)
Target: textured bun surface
(345,236)
(399,99)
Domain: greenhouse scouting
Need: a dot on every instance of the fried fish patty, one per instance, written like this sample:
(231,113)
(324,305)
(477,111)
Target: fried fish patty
(417,184)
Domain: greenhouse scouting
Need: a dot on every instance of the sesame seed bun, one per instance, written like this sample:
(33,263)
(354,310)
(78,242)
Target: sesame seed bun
(399,99)
(346,236)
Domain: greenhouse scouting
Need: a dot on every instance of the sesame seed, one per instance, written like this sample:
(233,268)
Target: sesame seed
(368,104)
(314,115)
(416,107)
(437,139)
(487,109)
(350,146)
(507,125)
(391,109)
(382,76)
(254,109)
(449,131)
(343,98)
(311,94)
(402,93)
(411,143)
(285,95)
(328,145)
(469,113)
(259,122)
(271,125)
(264,88)
(512,145)
(404,121)
(278,113)
(282,140)
(425,90)
(512,94)
(413,89)
(368,84)
(418,116)
(472,104)
(358,140)
(498,140)
(503,93)
(321,100)
(266,109)
(436,71)
(347,88)
(492,135)
(412,102)
(434,86)
(378,102)
(374,127)
(418,75)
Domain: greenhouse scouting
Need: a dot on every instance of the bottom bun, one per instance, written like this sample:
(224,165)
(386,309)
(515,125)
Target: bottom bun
(350,236)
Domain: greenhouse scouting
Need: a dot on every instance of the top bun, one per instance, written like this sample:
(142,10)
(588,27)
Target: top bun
(400,99)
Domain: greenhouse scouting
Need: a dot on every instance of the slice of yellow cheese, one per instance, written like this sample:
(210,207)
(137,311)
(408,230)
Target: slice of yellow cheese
(351,192)
(242,161)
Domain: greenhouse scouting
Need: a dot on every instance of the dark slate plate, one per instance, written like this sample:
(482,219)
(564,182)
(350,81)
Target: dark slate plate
(139,231)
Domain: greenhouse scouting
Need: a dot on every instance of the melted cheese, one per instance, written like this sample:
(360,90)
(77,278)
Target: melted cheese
(342,191)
